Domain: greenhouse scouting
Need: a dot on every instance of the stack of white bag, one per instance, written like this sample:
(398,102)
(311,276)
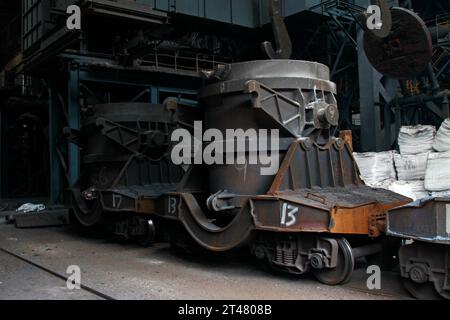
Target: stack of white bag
(415,144)
(376,168)
(437,178)
(416,139)
(411,167)
(421,171)
(442,141)
(411,189)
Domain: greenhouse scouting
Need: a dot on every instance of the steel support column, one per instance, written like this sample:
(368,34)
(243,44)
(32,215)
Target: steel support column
(74,121)
(54,131)
(378,126)
(377,131)
(154,94)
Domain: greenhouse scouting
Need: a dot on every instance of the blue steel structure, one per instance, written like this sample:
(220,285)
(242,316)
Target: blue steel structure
(251,14)
(375,90)
(83,75)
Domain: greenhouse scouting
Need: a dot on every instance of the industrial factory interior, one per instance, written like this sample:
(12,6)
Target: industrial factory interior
(225,150)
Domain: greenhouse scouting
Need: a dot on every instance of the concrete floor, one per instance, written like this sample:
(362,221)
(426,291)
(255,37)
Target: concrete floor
(126,271)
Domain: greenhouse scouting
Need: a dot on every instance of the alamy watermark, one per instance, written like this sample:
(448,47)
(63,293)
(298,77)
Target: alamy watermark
(374,21)
(73,22)
(74,280)
(234,147)
(374,280)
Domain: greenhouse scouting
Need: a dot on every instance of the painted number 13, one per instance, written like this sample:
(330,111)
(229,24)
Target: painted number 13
(288,215)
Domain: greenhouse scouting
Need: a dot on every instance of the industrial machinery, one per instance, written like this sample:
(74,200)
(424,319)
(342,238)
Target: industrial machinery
(405,53)
(126,165)
(313,214)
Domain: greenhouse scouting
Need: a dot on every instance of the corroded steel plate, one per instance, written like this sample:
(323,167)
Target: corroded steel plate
(407,50)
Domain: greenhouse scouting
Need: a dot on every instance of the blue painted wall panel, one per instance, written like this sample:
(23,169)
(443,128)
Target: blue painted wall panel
(162,5)
(190,7)
(245,13)
(263,12)
(219,10)
(291,7)
(150,3)
(248,13)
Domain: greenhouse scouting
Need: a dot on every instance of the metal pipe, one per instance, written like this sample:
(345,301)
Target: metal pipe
(422,98)
(433,80)
(439,32)
(367,250)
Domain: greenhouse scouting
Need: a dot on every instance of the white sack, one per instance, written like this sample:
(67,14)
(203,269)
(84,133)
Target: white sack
(386,184)
(30,207)
(411,167)
(442,141)
(437,177)
(416,139)
(411,189)
(441,194)
(376,167)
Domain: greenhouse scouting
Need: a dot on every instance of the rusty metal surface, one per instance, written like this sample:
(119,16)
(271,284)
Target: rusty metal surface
(349,197)
(139,199)
(345,210)
(269,214)
(358,220)
(309,165)
(427,220)
(347,136)
(406,51)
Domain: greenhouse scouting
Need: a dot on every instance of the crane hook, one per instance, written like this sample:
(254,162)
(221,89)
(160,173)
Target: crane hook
(282,40)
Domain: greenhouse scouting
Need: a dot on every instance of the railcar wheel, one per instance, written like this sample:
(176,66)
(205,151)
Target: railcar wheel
(421,291)
(88,214)
(439,286)
(344,269)
(425,270)
(148,237)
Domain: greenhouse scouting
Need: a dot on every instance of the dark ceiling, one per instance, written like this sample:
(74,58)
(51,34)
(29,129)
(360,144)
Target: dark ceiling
(8,10)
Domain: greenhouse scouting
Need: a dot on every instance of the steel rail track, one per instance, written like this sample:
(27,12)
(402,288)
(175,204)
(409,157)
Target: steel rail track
(56,274)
